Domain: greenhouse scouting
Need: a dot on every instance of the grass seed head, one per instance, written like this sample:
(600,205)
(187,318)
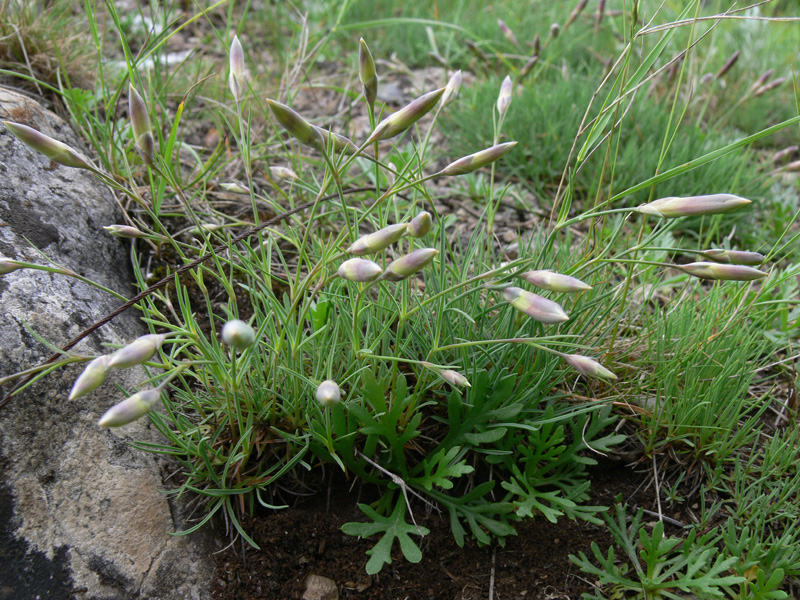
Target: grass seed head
(588,366)
(137,352)
(360,270)
(473,162)
(367,73)
(691,206)
(378,240)
(420,225)
(130,409)
(238,334)
(535,306)
(142,132)
(292,122)
(92,377)
(404,118)
(407,265)
(52,149)
(555,282)
(736,257)
(717,271)
(328,393)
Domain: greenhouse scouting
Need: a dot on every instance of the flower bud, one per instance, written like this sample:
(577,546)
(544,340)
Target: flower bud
(359,270)
(235,188)
(480,159)
(367,74)
(130,409)
(533,305)
(555,282)
(504,97)
(760,81)
(7,265)
(452,88)
(407,265)
(781,155)
(537,45)
(238,334)
(706,270)
(736,257)
(328,393)
(588,366)
(479,54)
(555,29)
(770,86)
(454,378)
(304,131)
(378,240)
(237,79)
(338,142)
(91,378)
(420,225)
(526,68)
(282,173)
(507,33)
(142,132)
(673,206)
(138,351)
(52,149)
(728,64)
(404,118)
(575,12)
(125,231)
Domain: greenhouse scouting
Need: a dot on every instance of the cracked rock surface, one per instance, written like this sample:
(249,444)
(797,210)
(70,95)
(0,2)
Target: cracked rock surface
(80,511)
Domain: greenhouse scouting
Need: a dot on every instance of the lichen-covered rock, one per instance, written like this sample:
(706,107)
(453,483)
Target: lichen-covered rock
(80,510)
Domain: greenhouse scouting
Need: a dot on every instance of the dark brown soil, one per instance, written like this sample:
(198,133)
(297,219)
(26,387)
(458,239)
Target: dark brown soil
(307,539)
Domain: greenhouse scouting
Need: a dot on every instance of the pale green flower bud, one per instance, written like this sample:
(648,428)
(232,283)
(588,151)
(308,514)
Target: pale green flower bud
(404,118)
(407,265)
(504,97)
(91,378)
(130,409)
(367,74)
(235,188)
(359,270)
(7,265)
(691,206)
(588,366)
(707,270)
(125,231)
(328,393)
(452,88)
(237,79)
(507,33)
(480,159)
(420,225)
(238,334)
(555,282)
(533,305)
(52,149)
(378,240)
(339,142)
(282,173)
(137,352)
(454,378)
(142,132)
(736,257)
(304,131)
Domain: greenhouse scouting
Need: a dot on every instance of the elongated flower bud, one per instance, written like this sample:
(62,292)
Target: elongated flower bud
(238,334)
(480,159)
(52,149)
(407,265)
(137,352)
(7,265)
(304,131)
(130,409)
(781,155)
(588,366)
(328,393)
(339,142)
(452,88)
(526,68)
(533,305)
(237,79)
(142,132)
(404,118)
(555,29)
(575,12)
(707,270)
(729,64)
(507,33)
(91,378)
(504,97)
(537,45)
(378,240)
(770,86)
(367,74)
(555,282)
(125,231)
(760,81)
(454,378)
(673,206)
(420,225)
(359,270)
(735,257)
(479,54)
(234,188)
(282,173)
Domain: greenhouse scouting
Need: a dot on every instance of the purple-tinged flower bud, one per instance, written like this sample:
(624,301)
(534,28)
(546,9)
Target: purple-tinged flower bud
(339,142)
(407,265)
(52,149)
(691,206)
(782,155)
(91,378)
(359,270)
(792,167)
(736,257)
(420,225)
(282,173)
(504,97)
(140,122)
(601,7)
(378,240)
(7,265)
(537,45)
(137,352)
(760,81)
(575,12)
(526,68)
(367,74)
(304,131)
(454,378)
(707,270)
(507,33)
(238,334)
(555,282)
(237,79)
(452,88)
(588,366)
(728,64)
(536,307)
(555,29)
(125,231)
(479,54)
(473,162)
(770,86)
(131,408)
(404,118)
(328,393)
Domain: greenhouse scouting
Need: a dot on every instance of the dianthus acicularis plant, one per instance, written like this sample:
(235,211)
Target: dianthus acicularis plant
(353,332)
